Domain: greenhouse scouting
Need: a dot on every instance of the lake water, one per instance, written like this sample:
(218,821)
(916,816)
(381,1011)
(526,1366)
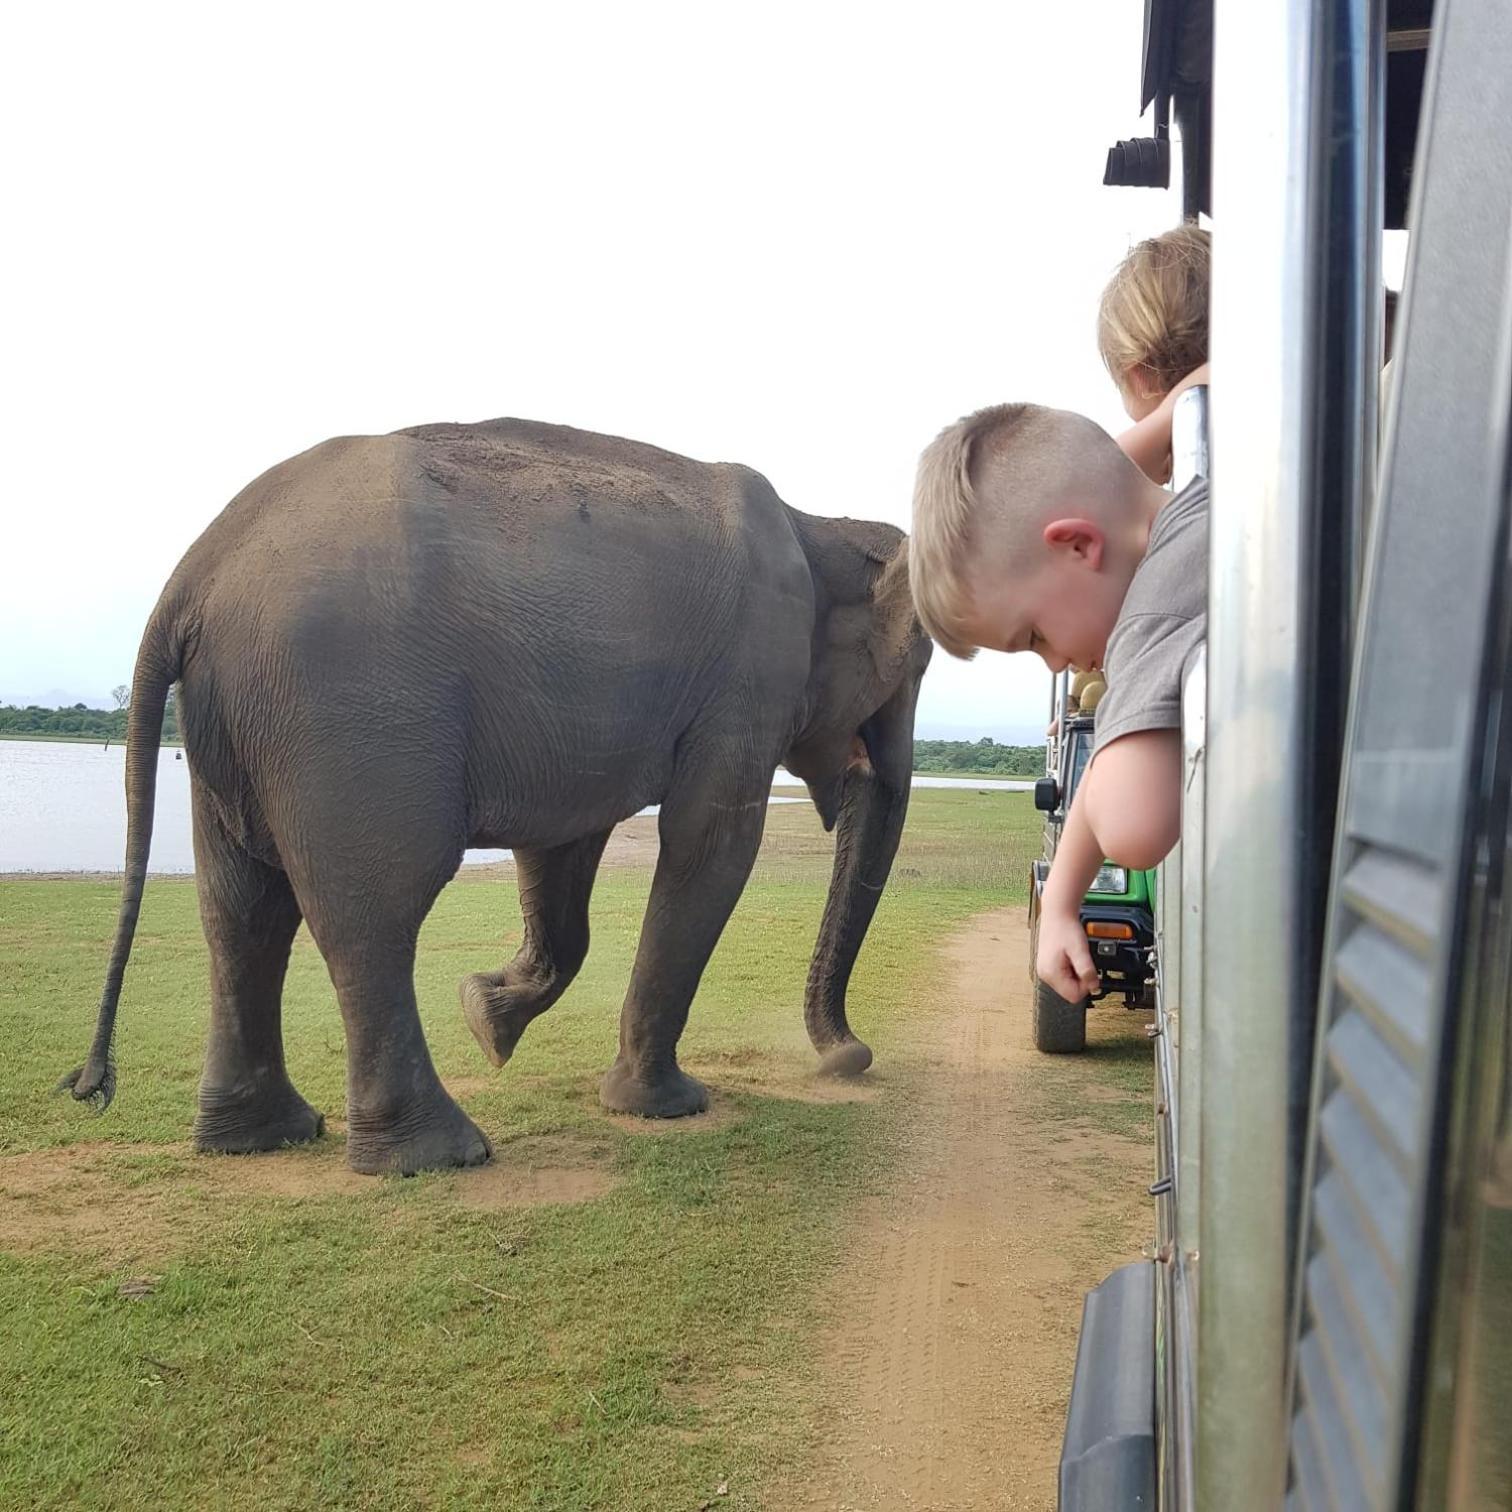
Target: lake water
(63,808)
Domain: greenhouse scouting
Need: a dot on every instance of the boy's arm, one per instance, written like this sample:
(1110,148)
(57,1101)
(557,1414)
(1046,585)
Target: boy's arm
(1135,799)
(1063,960)
(1127,810)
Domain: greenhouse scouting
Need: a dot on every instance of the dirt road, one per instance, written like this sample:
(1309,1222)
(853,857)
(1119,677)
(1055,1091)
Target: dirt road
(1022,1184)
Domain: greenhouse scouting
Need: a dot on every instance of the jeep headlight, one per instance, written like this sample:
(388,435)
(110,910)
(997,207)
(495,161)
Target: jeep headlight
(1111,879)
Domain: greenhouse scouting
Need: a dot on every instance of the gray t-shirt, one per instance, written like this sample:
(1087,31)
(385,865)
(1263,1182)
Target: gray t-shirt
(1161,624)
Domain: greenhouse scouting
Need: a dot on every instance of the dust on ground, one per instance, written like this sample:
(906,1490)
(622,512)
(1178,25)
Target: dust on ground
(947,1372)
(132,1203)
(720,1114)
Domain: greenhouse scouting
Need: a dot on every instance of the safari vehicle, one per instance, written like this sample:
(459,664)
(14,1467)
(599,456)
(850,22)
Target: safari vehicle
(1325,1317)
(1118,911)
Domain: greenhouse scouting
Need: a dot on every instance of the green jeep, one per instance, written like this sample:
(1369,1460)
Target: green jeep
(1118,912)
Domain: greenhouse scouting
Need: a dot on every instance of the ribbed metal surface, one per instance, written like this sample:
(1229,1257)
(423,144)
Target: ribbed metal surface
(1356,1296)
(1394,965)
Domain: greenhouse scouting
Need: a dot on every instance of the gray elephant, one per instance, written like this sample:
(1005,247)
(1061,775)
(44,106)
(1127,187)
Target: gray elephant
(391,648)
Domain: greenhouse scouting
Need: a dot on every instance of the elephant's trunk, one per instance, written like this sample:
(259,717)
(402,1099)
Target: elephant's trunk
(872,811)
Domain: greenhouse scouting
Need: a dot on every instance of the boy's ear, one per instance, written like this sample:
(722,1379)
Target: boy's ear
(1081,538)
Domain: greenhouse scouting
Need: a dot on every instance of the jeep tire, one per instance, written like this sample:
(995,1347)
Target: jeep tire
(1060,1028)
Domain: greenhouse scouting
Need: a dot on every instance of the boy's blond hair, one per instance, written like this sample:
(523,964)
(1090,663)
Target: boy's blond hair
(1154,313)
(1021,460)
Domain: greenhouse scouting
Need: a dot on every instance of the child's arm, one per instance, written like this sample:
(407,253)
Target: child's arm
(1135,802)
(1148,443)
(1127,810)
(1063,960)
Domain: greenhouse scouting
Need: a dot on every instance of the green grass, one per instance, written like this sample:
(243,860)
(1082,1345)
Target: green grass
(1111,1087)
(385,1344)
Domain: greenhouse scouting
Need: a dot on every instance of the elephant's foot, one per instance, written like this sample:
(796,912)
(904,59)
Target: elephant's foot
(496,1014)
(242,1123)
(672,1095)
(433,1136)
(850,1057)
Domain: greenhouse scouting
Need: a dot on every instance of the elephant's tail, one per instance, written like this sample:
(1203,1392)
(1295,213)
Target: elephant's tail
(159,663)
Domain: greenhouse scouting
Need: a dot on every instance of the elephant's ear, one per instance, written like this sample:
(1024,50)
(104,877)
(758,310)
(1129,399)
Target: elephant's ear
(898,627)
(865,561)
(884,551)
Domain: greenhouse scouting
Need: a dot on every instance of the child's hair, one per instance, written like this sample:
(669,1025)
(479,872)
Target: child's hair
(1018,459)
(1154,312)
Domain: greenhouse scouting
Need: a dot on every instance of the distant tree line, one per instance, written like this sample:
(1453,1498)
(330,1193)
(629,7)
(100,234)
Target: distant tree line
(981,758)
(984,757)
(79,722)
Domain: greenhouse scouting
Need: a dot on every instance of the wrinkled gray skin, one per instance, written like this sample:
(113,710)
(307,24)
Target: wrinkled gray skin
(394,647)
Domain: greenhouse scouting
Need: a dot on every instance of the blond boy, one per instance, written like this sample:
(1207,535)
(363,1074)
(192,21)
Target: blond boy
(1032,531)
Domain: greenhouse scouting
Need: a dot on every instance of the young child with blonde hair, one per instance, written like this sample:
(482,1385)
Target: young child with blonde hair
(1152,331)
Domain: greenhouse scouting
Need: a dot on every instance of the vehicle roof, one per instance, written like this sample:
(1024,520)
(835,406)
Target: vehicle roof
(1177,60)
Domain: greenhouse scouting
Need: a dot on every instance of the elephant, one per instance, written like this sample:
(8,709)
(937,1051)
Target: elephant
(390,648)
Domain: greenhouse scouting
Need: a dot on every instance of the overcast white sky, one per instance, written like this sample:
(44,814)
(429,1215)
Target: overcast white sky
(800,236)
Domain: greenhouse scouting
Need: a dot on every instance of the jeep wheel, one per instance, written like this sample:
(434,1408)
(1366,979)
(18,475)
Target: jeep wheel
(1060,1028)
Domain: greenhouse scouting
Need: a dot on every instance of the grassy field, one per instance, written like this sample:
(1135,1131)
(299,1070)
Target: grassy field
(611,1316)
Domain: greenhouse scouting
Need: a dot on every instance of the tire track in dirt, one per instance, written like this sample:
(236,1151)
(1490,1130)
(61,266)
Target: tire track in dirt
(946,1379)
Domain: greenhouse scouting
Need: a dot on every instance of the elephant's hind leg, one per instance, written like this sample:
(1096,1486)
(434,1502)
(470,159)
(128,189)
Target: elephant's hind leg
(399,1116)
(555,886)
(365,906)
(710,832)
(250,917)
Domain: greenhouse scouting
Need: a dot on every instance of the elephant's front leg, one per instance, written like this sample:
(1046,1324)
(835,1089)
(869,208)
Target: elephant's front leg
(555,886)
(708,845)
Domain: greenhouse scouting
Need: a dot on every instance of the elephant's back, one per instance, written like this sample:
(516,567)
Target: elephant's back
(547,607)
(534,476)
(586,457)
(492,494)
(599,529)
(458,546)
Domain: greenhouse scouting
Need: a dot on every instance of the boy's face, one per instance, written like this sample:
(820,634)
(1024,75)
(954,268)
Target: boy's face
(1063,608)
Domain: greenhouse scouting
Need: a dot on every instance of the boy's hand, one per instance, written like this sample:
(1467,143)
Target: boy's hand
(1064,961)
